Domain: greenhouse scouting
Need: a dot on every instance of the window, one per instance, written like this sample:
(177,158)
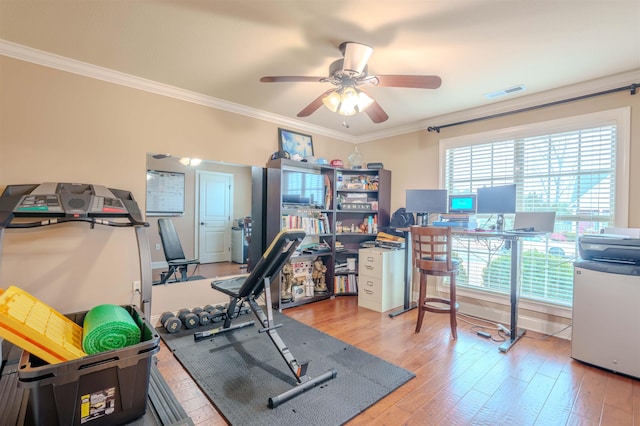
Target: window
(575,167)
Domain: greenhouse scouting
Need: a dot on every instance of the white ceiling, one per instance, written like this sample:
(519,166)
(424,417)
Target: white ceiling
(221,48)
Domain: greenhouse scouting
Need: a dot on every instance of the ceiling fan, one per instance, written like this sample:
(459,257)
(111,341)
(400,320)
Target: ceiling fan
(348,75)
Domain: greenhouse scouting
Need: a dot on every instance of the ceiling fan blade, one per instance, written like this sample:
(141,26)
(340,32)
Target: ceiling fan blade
(356,56)
(376,113)
(412,81)
(291,79)
(314,105)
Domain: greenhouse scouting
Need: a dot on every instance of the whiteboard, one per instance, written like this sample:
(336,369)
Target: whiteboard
(165,193)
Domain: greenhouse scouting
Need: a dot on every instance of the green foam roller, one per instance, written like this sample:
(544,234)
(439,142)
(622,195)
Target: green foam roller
(108,327)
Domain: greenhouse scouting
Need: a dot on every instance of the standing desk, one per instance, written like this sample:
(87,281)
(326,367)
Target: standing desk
(514,292)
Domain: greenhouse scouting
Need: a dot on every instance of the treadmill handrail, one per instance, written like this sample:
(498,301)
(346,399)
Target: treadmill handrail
(91,220)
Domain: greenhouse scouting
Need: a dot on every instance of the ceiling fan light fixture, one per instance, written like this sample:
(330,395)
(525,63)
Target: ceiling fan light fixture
(346,75)
(332,101)
(349,104)
(364,101)
(347,101)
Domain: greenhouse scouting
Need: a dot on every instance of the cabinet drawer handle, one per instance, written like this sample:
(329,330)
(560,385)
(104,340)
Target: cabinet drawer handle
(368,291)
(369,267)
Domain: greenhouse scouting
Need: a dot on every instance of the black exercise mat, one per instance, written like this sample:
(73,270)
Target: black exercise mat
(240,370)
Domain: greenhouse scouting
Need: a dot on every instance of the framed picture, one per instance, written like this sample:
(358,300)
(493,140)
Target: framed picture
(295,143)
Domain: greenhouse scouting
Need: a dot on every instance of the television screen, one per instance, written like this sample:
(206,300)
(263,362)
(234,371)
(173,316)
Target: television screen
(303,188)
(462,203)
(426,201)
(497,199)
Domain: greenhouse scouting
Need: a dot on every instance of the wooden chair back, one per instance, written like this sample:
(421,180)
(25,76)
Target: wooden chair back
(431,249)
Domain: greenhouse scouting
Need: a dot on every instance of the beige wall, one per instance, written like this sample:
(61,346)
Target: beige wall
(57,126)
(61,127)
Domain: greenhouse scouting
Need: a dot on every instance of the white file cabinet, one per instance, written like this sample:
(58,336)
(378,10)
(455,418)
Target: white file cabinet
(380,278)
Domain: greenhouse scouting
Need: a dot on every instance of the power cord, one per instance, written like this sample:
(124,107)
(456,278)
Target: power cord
(546,336)
(502,331)
(481,330)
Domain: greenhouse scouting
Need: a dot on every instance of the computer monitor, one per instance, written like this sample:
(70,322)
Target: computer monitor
(497,199)
(426,201)
(462,203)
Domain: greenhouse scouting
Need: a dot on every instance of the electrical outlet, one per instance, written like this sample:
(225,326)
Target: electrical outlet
(136,287)
(158,246)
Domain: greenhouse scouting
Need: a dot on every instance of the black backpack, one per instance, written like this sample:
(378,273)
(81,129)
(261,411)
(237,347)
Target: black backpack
(401,219)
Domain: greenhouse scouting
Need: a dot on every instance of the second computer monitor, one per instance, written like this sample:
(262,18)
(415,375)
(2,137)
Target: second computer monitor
(462,203)
(497,199)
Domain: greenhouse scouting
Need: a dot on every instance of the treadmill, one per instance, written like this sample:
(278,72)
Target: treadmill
(51,203)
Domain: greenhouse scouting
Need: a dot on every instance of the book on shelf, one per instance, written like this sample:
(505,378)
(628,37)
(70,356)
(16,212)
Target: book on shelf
(310,225)
(343,284)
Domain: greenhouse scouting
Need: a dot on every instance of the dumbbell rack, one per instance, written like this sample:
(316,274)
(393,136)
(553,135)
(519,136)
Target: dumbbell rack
(51,204)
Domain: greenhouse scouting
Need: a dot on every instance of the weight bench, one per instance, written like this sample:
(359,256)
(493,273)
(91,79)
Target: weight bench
(173,253)
(247,289)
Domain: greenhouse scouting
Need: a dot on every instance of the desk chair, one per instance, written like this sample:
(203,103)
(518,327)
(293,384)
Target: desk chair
(432,256)
(247,289)
(173,253)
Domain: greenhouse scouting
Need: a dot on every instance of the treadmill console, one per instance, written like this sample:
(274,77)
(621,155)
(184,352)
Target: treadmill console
(71,201)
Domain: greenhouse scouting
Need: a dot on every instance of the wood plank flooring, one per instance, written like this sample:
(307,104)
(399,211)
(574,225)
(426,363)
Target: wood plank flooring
(462,382)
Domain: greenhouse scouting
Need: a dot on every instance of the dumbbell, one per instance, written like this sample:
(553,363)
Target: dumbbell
(204,317)
(170,322)
(188,318)
(216,313)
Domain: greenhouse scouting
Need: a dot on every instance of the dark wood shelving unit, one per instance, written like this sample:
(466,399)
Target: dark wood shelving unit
(377,195)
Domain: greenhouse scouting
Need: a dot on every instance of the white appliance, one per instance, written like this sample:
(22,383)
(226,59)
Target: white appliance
(606,316)
(238,245)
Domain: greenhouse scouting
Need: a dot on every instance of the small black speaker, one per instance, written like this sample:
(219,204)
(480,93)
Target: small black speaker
(375,166)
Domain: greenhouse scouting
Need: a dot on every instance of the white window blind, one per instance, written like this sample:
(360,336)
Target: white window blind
(571,172)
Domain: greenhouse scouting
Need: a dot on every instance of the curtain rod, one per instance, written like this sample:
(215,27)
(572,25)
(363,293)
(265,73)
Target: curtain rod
(632,88)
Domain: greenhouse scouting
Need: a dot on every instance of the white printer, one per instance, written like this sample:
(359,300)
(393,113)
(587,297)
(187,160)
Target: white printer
(615,248)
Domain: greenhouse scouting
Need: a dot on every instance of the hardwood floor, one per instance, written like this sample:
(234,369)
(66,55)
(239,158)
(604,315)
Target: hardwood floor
(466,381)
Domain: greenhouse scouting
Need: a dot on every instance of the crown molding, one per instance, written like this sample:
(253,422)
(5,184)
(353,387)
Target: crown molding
(84,69)
(542,98)
(63,63)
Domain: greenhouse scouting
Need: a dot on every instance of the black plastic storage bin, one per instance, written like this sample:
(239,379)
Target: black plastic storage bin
(109,388)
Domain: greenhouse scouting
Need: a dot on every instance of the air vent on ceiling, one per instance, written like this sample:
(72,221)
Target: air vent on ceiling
(505,92)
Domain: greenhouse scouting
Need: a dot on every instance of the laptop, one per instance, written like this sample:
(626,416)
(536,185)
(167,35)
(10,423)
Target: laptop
(534,222)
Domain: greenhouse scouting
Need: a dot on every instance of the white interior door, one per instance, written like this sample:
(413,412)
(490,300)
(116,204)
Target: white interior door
(215,202)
